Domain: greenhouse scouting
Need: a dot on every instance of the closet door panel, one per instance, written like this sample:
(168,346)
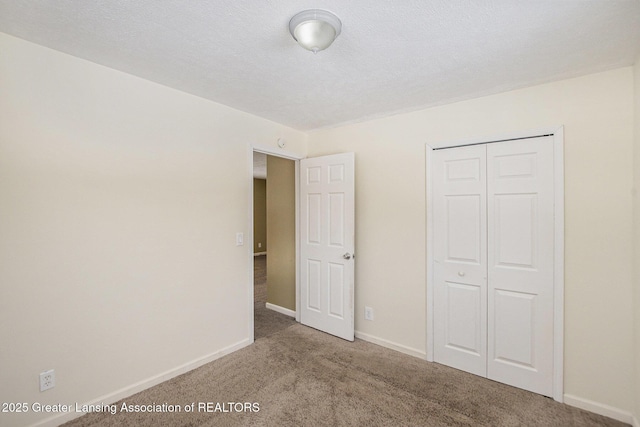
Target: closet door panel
(460,258)
(520,203)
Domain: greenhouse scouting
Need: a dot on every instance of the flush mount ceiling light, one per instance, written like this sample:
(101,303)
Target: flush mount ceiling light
(315,29)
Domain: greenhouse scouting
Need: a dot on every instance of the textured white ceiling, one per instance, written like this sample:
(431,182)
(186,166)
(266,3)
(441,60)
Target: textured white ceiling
(392,56)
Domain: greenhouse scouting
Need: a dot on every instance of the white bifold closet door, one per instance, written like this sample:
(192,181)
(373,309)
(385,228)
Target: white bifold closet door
(460,258)
(493,261)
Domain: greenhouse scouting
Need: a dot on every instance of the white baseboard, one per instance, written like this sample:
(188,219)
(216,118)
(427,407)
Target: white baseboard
(281,310)
(259,253)
(117,395)
(391,345)
(601,409)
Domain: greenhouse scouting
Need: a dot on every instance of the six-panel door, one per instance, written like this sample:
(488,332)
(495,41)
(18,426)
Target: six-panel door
(327,215)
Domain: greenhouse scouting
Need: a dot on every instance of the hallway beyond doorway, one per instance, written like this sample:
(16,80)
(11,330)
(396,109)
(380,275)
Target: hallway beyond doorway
(266,322)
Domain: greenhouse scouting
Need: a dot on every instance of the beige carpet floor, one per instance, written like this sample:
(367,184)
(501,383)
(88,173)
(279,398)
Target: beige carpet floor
(302,377)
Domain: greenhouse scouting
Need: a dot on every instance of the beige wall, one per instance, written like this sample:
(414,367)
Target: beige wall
(281,232)
(597,112)
(120,200)
(636,207)
(259,215)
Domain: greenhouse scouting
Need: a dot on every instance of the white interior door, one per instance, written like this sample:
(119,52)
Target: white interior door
(460,258)
(521,262)
(493,207)
(327,222)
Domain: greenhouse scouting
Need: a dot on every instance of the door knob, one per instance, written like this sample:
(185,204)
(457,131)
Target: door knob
(346,256)
(461,273)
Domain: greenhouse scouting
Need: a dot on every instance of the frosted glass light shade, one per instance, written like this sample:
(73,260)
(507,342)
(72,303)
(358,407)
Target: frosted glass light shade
(315,29)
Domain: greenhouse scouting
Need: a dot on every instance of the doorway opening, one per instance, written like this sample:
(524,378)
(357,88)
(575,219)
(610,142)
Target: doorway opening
(273,243)
(321,230)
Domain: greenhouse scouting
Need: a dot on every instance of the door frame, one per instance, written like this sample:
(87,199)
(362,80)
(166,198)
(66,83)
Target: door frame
(557,132)
(285,154)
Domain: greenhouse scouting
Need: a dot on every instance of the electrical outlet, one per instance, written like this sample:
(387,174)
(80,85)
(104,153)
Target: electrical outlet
(239,239)
(368,313)
(47,379)
(259,245)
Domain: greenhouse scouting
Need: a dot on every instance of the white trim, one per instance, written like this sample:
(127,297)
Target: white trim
(281,310)
(273,151)
(297,241)
(429,251)
(558,265)
(249,242)
(600,409)
(558,319)
(132,389)
(259,253)
(390,345)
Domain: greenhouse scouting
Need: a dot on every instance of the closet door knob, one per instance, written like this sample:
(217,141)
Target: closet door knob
(461,273)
